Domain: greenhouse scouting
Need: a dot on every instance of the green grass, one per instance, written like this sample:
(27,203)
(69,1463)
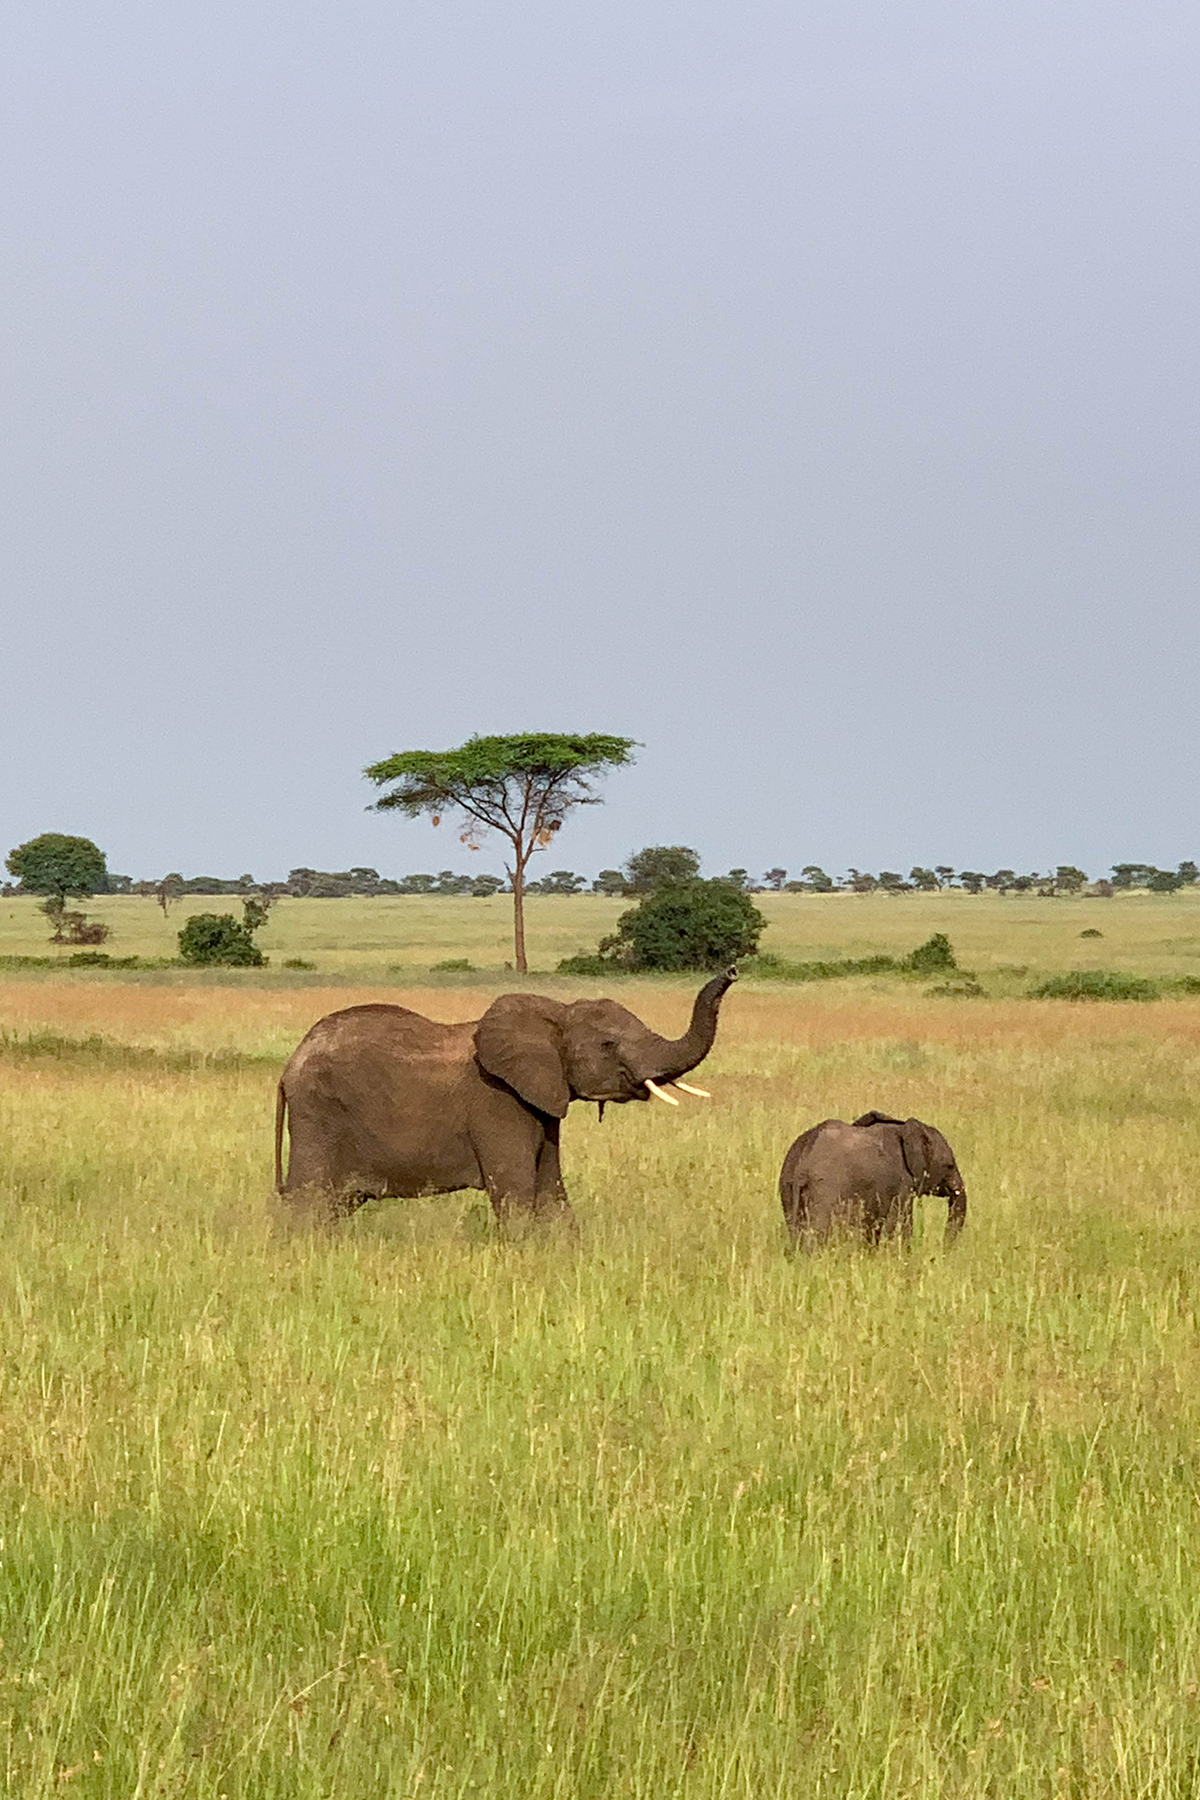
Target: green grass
(399,1509)
(1145,934)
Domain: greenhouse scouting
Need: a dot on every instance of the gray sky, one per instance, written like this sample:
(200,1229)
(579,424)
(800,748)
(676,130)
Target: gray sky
(808,391)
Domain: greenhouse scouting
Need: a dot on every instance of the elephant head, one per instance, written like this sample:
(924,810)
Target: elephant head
(551,1053)
(931,1165)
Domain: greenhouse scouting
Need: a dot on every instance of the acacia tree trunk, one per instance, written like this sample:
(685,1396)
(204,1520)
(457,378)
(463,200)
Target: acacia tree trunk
(517,872)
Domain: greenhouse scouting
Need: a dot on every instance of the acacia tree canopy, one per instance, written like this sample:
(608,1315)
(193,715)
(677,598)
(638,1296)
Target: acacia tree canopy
(522,786)
(60,867)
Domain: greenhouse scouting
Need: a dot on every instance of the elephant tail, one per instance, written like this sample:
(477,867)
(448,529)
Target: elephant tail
(280,1116)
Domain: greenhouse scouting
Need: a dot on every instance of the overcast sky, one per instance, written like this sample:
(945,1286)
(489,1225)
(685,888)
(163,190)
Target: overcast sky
(807,390)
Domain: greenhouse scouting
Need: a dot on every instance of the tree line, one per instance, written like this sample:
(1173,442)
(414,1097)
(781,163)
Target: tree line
(643,872)
(522,789)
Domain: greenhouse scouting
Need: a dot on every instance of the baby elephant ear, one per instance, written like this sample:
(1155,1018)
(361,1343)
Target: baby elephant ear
(914,1146)
(519,1040)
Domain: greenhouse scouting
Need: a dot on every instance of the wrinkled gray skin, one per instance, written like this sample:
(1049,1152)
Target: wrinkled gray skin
(860,1179)
(381,1101)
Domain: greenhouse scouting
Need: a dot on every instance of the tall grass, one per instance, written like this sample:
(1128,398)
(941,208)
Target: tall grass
(398,1509)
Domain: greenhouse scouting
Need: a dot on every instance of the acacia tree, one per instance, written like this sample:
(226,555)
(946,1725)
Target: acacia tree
(62,868)
(523,787)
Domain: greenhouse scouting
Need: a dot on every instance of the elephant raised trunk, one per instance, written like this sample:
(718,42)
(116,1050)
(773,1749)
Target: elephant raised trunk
(668,1058)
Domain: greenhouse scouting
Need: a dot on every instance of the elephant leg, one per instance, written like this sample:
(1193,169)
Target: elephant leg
(510,1174)
(550,1196)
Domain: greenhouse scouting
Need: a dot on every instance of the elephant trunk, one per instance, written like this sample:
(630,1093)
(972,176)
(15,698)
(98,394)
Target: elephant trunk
(956,1212)
(675,1056)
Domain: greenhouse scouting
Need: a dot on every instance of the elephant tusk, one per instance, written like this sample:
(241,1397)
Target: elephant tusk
(661,1093)
(686,1087)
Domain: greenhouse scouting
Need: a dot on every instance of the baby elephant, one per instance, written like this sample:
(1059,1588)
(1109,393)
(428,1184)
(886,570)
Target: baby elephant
(861,1179)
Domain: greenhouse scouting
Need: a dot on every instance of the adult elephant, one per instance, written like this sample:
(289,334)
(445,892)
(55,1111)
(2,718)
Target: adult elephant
(862,1178)
(381,1101)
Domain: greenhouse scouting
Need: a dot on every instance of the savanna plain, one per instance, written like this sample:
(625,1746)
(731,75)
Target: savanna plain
(398,1507)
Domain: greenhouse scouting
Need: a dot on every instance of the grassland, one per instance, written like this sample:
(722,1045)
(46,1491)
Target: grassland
(401,937)
(401,1509)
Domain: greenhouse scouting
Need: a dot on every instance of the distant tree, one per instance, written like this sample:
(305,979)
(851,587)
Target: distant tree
(1001,880)
(523,787)
(609,881)
(892,882)
(417,884)
(1069,879)
(774,879)
(61,868)
(1164,881)
(738,878)
(660,865)
(484,886)
(168,891)
(1188,874)
(860,882)
(972,880)
(450,883)
(816,880)
(944,873)
(256,909)
(1131,875)
(563,881)
(925,880)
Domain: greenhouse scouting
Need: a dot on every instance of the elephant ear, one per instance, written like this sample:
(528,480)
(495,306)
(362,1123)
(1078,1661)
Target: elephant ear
(914,1147)
(519,1040)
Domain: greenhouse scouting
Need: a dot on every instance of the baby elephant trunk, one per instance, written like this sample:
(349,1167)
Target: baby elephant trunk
(956,1216)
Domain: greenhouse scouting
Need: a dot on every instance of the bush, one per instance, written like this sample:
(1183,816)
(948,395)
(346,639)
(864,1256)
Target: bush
(100,959)
(931,957)
(779,968)
(1095,984)
(212,938)
(688,925)
(453,965)
(297,962)
(589,962)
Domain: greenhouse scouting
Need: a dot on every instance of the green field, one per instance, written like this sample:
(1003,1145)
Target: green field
(1144,933)
(400,1509)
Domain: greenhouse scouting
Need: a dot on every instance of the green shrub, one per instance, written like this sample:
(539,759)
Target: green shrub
(212,938)
(589,962)
(1095,984)
(687,925)
(780,968)
(931,957)
(454,965)
(297,962)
